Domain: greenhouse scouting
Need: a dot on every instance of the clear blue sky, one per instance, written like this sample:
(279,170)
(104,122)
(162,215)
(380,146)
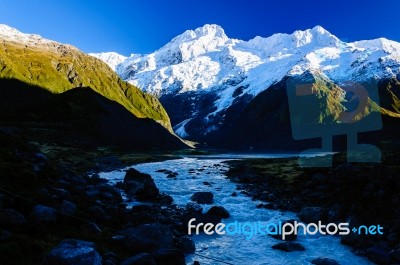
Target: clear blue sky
(143,26)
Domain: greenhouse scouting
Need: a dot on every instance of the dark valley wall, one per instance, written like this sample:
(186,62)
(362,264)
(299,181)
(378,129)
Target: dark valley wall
(78,116)
(263,122)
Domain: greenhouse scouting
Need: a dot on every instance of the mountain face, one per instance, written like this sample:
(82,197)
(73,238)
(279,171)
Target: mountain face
(207,81)
(58,68)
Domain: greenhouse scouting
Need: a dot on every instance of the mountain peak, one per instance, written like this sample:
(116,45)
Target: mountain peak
(319,29)
(113,59)
(208,31)
(317,35)
(212,30)
(8,32)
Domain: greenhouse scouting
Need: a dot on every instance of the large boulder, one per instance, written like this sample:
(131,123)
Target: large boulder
(203,197)
(192,207)
(10,217)
(187,245)
(148,237)
(74,252)
(219,211)
(139,185)
(43,214)
(67,208)
(311,214)
(109,192)
(288,246)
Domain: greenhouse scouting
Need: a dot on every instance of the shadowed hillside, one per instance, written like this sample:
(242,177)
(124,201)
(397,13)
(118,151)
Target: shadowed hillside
(77,116)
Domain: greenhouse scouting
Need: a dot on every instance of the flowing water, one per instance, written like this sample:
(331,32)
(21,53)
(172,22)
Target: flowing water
(236,249)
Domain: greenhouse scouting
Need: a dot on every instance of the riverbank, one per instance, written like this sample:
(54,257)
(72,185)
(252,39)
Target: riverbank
(55,210)
(53,200)
(361,194)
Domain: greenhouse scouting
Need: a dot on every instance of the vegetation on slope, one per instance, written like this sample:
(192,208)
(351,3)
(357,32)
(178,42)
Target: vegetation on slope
(58,68)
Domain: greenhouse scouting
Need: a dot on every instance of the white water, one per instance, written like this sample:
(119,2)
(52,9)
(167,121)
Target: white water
(236,249)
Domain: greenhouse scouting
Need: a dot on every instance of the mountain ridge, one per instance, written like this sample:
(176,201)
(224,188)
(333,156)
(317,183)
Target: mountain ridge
(204,65)
(58,68)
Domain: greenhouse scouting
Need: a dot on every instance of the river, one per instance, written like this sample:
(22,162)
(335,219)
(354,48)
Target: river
(236,249)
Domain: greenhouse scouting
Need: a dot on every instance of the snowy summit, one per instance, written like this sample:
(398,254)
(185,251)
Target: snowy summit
(205,59)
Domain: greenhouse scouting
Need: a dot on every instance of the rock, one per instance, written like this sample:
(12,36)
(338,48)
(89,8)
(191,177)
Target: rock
(169,256)
(193,207)
(74,252)
(67,208)
(62,194)
(92,193)
(270,206)
(311,214)
(219,211)
(378,255)
(39,163)
(43,215)
(139,185)
(203,197)
(91,229)
(324,261)
(143,214)
(140,259)
(319,177)
(164,199)
(4,236)
(110,258)
(133,174)
(187,245)
(106,188)
(95,176)
(10,217)
(196,262)
(41,157)
(148,237)
(288,247)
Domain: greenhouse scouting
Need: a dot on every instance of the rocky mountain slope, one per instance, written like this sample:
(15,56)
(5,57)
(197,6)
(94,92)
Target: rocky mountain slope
(205,80)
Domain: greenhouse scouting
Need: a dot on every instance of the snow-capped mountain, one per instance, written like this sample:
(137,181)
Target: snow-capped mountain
(113,59)
(13,35)
(206,62)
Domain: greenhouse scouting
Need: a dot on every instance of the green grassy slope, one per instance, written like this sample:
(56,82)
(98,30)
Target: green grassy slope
(58,68)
